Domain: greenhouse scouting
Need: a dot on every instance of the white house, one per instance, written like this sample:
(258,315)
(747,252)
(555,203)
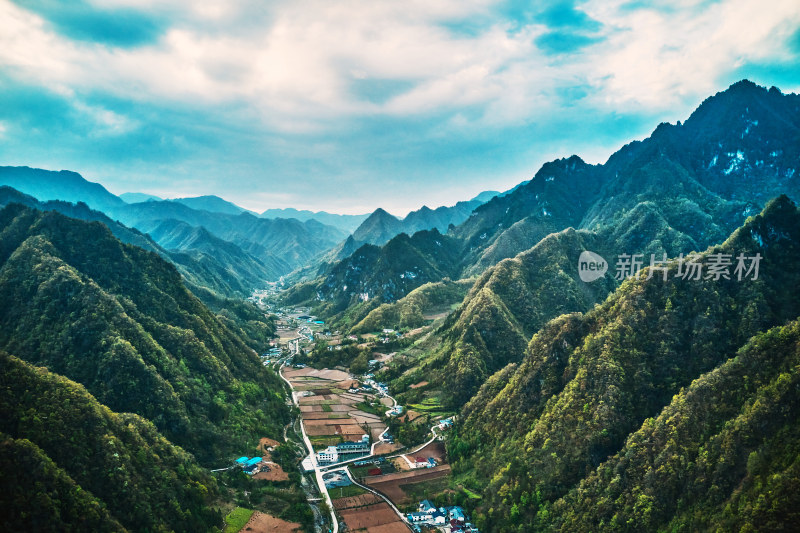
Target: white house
(328,455)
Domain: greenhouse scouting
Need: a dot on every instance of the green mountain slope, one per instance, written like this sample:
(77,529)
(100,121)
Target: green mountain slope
(206,263)
(66,186)
(506,306)
(724,453)
(292,242)
(373,275)
(118,320)
(588,381)
(71,464)
(410,311)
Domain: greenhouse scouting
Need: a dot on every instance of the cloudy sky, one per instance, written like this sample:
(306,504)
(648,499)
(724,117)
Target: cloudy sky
(350,105)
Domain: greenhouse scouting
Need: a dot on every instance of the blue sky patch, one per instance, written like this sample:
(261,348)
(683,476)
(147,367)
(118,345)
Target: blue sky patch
(82,22)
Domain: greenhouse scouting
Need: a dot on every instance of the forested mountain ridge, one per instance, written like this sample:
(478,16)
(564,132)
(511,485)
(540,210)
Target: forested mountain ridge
(683,188)
(212,268)
(292,242)
(71,464)
(118,320)
(588,382)
(373,275)
(381,226)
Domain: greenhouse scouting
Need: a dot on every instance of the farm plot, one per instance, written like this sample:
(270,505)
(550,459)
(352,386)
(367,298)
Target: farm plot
(394,527)
(354,502)
(367,517)
(391,484)
(263,523)
(329,413)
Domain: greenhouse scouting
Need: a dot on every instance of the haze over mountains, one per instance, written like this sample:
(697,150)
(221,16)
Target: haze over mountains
(630,403)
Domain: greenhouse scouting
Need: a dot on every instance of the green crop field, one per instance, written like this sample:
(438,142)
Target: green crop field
(236,519)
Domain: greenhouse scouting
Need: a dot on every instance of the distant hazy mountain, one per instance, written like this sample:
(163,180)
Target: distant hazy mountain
(381,226)
(212,203)
(64,185)
(208,263)
(177,236)
(282,244)
(136,197)
(346,223)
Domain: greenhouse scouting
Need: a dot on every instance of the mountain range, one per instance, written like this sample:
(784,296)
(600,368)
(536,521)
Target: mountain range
(661,399)
(211,267)
(646,412)
(675,192)
(381,226)
(118,320)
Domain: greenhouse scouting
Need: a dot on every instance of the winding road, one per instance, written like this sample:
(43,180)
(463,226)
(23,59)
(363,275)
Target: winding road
(343,466)
(318,473)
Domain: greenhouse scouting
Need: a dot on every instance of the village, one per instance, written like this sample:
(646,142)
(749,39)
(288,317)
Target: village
(369,478)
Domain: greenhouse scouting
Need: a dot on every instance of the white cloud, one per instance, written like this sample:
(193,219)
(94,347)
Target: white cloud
(654,58)
(294,69)
(285,77)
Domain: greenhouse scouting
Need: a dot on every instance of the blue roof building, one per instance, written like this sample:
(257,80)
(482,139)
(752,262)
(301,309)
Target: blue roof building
(426,506)
(253,461)
(241,460)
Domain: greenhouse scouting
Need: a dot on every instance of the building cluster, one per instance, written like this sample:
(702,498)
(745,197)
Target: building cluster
(446,423)
(332,454)
(397,410)
(252,466)
(450,519)
(422,462)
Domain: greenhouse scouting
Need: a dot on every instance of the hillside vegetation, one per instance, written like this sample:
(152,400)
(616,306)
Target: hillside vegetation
(552,431)
(118,320)
(71,464)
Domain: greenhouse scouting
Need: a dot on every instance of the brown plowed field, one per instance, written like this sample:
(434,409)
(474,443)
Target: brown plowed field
(390,483)
(371,516)
(353,502)
(264,523)
(394,527)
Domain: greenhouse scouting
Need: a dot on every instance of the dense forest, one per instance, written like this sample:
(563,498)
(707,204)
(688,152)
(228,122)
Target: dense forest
(71,464)
(603,424)
(118,320)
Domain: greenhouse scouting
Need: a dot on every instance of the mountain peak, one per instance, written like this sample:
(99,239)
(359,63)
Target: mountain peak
(379,227)
(212,203)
